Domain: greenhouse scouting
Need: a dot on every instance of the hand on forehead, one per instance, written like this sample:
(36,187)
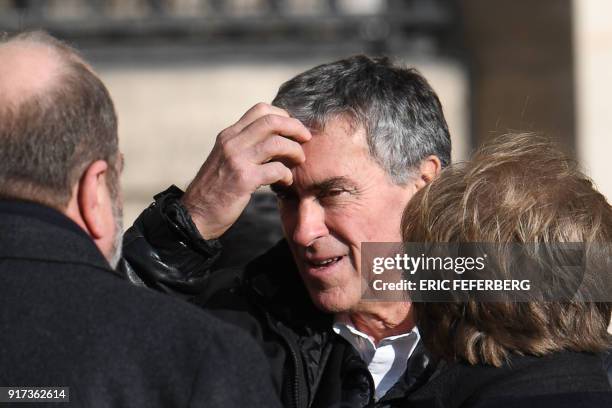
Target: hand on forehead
(335,157)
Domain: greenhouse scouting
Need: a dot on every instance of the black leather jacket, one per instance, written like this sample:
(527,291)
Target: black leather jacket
(312,367)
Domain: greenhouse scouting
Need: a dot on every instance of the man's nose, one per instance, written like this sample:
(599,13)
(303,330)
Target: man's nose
(310,224)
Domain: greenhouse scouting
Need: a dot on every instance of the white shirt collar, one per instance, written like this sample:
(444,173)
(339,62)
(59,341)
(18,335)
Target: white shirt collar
(387,362)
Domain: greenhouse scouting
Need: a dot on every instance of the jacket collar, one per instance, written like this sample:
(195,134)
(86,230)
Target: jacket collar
(276,282)
(33,231)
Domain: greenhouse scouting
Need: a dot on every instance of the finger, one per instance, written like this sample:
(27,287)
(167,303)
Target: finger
(275,172)
(256,112)
(279,148)
(270,125)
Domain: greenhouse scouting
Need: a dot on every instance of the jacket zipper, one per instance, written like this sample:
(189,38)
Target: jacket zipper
(296,384)
(296,367)
(296,362)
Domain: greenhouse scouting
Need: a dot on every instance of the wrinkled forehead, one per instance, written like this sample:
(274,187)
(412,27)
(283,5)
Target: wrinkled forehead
(339,150)
(340,138)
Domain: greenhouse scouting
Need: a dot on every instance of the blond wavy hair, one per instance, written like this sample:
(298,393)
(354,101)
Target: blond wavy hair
(519,188)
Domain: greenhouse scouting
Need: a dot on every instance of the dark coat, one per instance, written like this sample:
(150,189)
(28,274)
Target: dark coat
(66,319)
(311,365)
(559,380)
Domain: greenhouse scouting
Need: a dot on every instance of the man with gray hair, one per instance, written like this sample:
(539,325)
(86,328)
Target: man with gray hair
(67,319)
(344,146)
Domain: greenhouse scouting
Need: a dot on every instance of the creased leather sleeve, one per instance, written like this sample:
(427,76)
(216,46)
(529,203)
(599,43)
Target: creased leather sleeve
(164,251)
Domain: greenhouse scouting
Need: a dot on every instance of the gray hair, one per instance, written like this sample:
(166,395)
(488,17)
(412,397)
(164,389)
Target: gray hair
(400,112)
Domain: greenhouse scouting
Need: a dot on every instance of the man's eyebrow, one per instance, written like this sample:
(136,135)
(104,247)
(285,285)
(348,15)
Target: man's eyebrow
(332,183)
(321,186)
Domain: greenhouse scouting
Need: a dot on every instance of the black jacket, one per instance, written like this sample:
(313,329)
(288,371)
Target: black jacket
(311,365)
(66,319)
(522,382)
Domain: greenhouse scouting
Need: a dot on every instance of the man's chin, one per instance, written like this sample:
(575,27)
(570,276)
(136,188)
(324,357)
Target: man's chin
(333,302)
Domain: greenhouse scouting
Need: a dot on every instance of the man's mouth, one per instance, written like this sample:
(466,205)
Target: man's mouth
(321,263)
(320,267)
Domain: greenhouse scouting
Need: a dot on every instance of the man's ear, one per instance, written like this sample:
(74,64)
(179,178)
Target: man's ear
(429,168)
(92,199)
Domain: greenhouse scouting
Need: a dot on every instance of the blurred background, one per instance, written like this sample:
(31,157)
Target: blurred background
(182,70)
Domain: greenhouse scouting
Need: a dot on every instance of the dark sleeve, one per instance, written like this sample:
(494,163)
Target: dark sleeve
(586,399)
(234,373)
(164,251)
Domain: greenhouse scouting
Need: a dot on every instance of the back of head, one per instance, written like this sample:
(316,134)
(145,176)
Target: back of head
(516,189)
(399,111)
(56,117)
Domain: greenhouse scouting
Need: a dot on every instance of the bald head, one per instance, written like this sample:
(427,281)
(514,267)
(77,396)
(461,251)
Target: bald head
(29,68)
(56,117)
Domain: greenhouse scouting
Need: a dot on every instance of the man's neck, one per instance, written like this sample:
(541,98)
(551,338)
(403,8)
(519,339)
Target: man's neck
(384,319)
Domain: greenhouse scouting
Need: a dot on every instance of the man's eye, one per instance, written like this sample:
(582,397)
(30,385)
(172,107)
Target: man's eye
(333,193)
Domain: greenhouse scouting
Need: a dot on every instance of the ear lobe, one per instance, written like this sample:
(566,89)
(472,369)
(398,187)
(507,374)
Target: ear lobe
(92,187)
(429,169)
